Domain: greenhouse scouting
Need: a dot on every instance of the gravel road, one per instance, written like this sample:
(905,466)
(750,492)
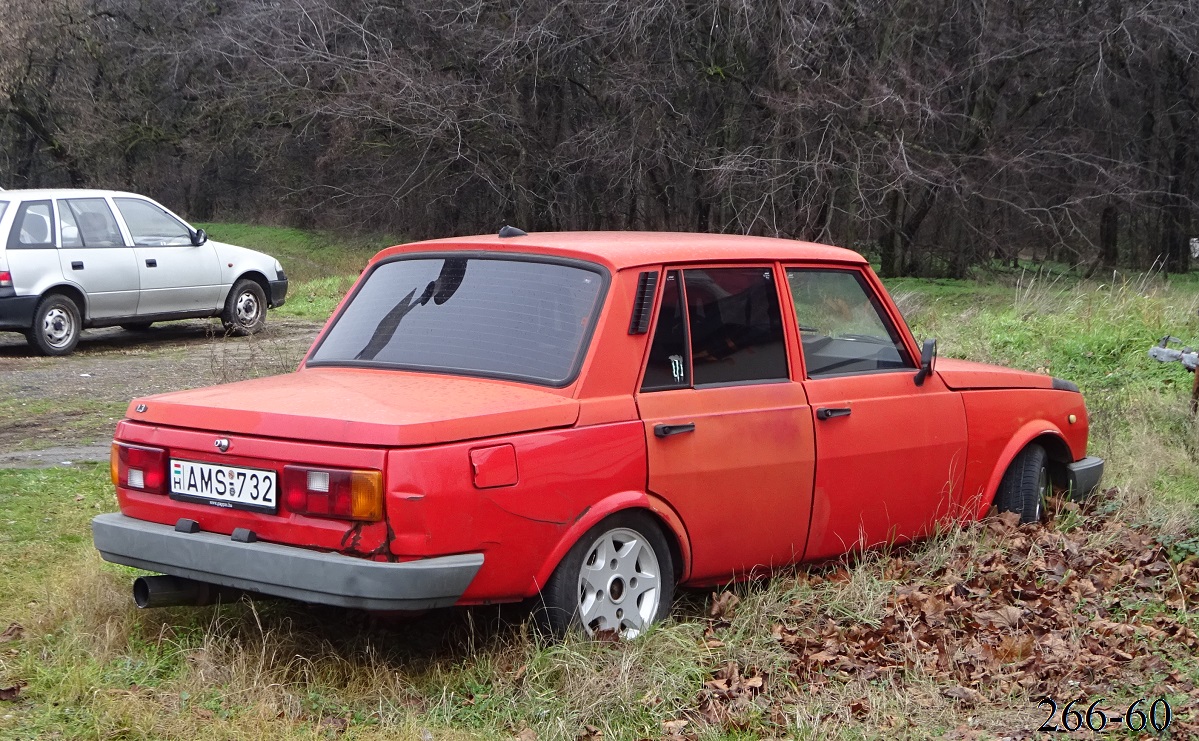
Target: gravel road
(62,411)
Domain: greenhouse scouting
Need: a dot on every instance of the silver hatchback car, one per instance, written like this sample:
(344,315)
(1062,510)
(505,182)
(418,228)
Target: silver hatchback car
(71,259)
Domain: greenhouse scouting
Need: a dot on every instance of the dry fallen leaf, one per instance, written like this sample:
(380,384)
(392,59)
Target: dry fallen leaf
(14,632)
(723,605)
(10,693)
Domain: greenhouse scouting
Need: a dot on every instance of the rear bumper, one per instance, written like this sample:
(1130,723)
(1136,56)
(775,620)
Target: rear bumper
(1083,476)
(285,571)
(16,312)
(278,292)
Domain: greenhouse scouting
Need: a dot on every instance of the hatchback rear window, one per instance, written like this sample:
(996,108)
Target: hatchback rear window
(504,317)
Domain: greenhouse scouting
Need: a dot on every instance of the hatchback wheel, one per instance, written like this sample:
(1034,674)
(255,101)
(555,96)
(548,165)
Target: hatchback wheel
(245,308)
(617,580)
(56,326)
(1025,484)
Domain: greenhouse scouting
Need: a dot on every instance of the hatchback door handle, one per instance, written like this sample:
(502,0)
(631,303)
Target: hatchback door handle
(830,412)
(77,265)
(668,430)
(151,262)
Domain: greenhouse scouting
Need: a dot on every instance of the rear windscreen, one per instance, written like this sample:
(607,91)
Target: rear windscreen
(503,317)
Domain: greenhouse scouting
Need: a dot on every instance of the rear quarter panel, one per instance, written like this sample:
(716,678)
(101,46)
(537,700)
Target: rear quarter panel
(566,479)
(1000,422)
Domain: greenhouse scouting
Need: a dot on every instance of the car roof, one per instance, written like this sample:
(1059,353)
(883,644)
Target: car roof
(620,250)
(33,194)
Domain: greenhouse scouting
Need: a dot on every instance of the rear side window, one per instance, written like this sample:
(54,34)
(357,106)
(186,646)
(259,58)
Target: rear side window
(503,317)
(150,226)
(88,222)
(730,333)
(3,208)
(32,227)
(843,329)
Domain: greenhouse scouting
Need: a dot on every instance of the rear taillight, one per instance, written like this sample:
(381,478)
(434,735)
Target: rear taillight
(139,467)
(5,279)
(332,492)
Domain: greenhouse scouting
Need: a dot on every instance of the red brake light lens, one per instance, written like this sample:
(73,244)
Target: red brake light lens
(331,492)
(5,279)
(140,467)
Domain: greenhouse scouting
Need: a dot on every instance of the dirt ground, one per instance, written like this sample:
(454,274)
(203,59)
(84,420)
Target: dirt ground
(56,411)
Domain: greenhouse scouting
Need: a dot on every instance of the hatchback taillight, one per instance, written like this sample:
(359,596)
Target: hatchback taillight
(5,279)
(139,467)
(333,492)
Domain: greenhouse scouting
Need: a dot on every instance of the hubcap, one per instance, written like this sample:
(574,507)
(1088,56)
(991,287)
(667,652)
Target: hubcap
(619,587)
(247,309)
(58,327)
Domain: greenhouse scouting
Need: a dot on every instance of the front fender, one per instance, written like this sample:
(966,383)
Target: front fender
(1023,436)
(606,507)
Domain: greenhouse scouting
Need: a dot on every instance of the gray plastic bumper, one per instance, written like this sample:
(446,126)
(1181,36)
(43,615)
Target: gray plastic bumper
(1083,476)
(285,571)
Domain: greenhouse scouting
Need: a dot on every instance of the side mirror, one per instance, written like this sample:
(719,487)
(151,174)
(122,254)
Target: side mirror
(199,237)
(928,354)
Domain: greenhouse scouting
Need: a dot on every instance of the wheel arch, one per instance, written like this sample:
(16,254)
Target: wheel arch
(73,292)
(661,513)
(1043,433)
(257,277)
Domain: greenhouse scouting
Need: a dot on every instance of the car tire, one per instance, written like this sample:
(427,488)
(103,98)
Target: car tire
(615,581)
(136,326)
(245,308)
(1025,484)
(56,326)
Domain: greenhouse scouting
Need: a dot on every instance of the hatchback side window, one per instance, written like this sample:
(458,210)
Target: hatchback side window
(843,328)
(150,226)
(732,331)
(93,221)
(32,227)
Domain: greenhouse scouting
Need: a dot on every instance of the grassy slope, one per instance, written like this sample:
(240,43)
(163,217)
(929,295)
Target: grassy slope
(94,667)
(320,266)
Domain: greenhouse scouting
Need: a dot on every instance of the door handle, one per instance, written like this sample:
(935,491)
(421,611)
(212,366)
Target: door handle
(668,430)
(151,262)
(77,265)
(830,412)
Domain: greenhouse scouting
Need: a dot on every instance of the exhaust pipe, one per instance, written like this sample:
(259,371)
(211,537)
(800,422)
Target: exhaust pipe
(170,591)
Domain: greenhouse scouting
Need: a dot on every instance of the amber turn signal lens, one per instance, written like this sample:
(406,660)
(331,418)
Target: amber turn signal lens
(331,492)
(366,494)
(114,464)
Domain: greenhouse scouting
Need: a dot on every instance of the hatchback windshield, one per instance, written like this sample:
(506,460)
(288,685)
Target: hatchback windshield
(504,317)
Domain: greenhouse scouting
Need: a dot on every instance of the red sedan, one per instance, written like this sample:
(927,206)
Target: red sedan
(592,418)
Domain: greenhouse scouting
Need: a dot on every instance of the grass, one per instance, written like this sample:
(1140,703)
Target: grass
(93,667)
(320,266)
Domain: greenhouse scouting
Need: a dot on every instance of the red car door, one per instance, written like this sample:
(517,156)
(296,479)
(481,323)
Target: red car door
(729,432)
(890,455)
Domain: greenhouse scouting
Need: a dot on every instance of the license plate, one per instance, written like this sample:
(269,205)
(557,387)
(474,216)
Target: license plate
(224,486)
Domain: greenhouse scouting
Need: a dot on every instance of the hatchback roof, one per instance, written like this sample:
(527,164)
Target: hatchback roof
(620,250)
(34,193)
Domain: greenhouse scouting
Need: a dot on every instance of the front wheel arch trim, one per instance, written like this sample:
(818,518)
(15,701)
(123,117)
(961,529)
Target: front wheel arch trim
(1040,432)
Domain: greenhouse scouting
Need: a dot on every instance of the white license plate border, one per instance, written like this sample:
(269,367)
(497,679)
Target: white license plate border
(225,503)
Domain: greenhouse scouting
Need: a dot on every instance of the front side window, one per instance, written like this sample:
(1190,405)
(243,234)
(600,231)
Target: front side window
(150,226)
(502,317)
(88,222)
(32,227)
(843,328)
(732,332)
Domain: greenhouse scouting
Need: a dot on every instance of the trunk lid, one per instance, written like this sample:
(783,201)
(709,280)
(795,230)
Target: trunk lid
(356,406)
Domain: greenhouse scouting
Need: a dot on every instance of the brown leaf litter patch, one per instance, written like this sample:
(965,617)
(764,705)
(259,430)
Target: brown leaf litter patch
(1084,606)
